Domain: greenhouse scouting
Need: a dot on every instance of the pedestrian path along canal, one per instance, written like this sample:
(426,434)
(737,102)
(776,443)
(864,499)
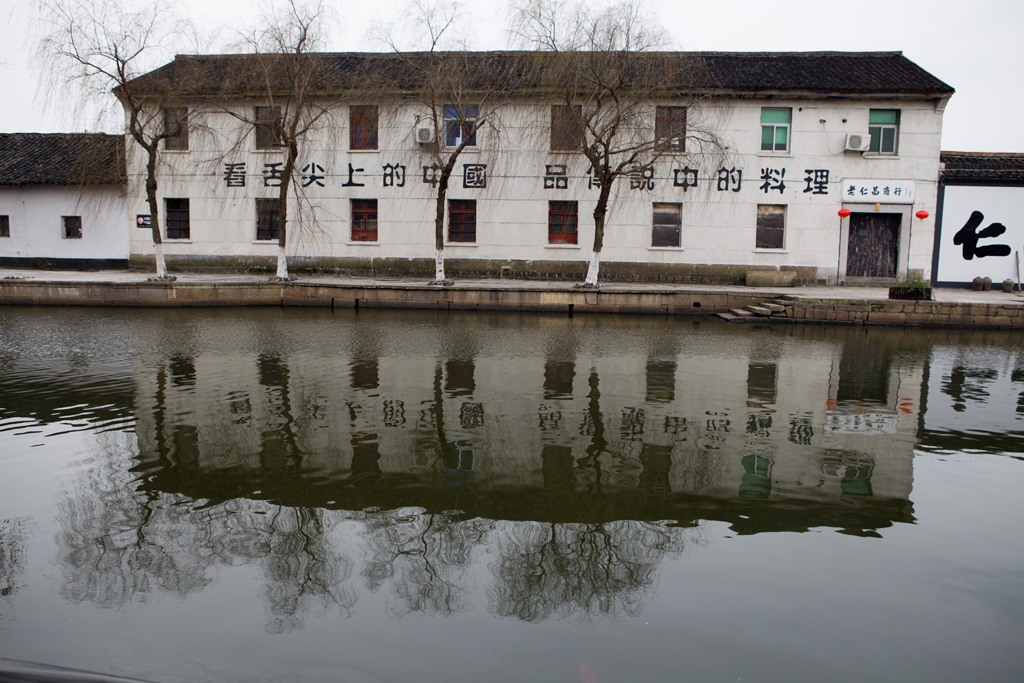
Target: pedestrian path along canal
(316,495)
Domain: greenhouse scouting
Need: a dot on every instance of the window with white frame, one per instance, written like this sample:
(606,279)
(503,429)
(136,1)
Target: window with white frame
(459,125)
(775,123)
(884,125)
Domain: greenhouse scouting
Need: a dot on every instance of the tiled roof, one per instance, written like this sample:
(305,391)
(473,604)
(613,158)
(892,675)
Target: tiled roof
(982,166)
(61,159)
(837,73)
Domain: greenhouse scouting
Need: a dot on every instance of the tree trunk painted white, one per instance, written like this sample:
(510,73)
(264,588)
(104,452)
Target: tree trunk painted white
(161,264)
(595,262)
(439,265)
(282,263)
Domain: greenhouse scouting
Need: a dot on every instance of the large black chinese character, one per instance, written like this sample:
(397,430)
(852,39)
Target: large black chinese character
(592,179)
(969,238)
(773,180)
(394,175)
(312,177)
(817,181)
(474,175)
(432,175)
(642,179)
(730,176)
(555,177)
(272,175)
(684,178)
(234,174)
(352,183)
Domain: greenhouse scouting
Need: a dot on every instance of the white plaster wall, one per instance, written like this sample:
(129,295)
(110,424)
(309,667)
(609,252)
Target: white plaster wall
(37,230)
(718,227)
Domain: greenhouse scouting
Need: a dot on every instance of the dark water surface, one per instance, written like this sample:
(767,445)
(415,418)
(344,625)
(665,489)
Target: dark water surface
(290,495)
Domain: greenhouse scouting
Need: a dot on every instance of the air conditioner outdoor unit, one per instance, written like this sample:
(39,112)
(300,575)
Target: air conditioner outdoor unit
(425,135)
(858,142)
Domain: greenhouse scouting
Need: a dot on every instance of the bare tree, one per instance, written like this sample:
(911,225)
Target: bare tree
(605,75)
(91,47)
(289,73)
(462,92)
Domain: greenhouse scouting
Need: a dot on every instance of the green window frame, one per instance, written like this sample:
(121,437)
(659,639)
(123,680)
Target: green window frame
(775,124)
(884,127)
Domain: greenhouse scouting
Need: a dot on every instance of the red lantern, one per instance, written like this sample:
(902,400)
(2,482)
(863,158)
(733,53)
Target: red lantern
(922,214)
(843,213)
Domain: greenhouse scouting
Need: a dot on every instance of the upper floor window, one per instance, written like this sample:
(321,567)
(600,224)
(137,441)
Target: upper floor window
(775,122)
(176,128)
(459,125)
(268,127)
(884,125)
(566,128)
(177,219)
(362,127)
(670,128)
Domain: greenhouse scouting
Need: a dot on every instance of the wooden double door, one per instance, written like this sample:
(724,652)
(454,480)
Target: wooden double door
(874,244)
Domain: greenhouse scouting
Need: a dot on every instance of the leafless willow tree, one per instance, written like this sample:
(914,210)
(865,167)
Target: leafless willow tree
(462,93)
(286,70)
(604,74)
(89,48)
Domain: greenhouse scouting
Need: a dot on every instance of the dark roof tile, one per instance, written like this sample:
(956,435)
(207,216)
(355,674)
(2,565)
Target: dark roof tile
(61,159)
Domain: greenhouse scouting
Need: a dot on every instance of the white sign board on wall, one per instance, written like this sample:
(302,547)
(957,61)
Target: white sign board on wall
(878,191)
(982,230)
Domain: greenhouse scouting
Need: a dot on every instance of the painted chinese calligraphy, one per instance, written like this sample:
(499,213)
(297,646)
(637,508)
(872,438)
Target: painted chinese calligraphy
(968,237)
(394,175)
(773,180)
(272,175)
(684,178)
(234,174)
(555,177)
(474,175)
(352,183)
(730,176)
(817,181)
(312,177)
(432,175)
(642,179)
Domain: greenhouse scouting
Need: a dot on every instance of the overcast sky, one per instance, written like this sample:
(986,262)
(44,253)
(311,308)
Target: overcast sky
(976,47)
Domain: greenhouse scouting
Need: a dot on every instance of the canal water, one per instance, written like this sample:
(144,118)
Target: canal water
(307,495)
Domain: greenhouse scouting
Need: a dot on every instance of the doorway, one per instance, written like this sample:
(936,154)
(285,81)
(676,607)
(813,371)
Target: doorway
(873,245)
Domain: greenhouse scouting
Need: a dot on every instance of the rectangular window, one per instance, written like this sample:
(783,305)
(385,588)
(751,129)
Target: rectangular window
(176,128)
(775,128)
(461,220)
(771,226)
(268,127)
(364,220)
(268,219)
(362,127)
(562,223)
(459,123)
(668,221)
(5,226)
(670,128)
(72,227)
(177,219)
(884,125)
(566,128)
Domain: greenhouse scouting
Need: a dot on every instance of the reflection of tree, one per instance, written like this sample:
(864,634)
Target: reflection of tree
(579,571)
(426,558)
(968,384)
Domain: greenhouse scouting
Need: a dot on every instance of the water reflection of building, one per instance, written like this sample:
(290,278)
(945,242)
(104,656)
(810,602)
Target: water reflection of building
(685,424)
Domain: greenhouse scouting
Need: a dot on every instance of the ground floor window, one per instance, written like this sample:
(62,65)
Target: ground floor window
(5,226)
(462,220)
(268,219)
(364,220)
(72,227)
(771,226)
(177,219)
(668,220)
(562,222)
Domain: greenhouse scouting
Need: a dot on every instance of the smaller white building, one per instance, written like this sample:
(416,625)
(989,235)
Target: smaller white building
(62,201)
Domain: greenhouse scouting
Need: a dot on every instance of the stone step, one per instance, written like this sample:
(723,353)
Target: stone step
(759,310)
(774,308)
(731,318)
(739,312)
(783,302)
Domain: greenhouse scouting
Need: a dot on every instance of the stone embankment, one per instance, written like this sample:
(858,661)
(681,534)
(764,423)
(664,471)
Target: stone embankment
(830,305)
